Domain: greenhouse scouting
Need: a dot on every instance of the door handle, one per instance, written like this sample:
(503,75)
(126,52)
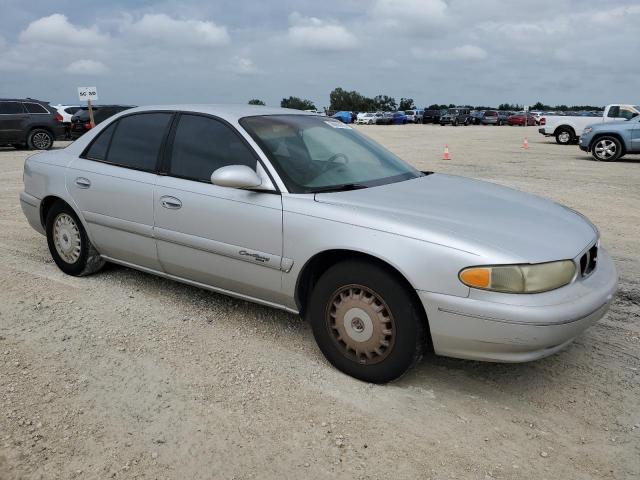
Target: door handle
(171,203)
(82,182)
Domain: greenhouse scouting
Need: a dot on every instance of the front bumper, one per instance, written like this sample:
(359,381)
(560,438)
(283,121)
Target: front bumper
(519,328)
(583,143)
(542,131)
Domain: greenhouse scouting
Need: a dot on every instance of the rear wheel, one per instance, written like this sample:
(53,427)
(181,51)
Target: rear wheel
(68,243)
(365,321)
(564,136)
(606,149)
(40,139)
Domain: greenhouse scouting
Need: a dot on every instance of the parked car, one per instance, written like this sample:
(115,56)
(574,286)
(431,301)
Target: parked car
(520,118)
(381,259)
(612,140)
(413,116)
(568,128)
(503,116)
(456,116)
(80,123)
(431,116)
(399,118)
(343,116)
(368,118)
(485,117)
(29,123)
(66,112)
(385,119)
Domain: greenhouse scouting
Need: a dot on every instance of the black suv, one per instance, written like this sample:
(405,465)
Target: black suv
(80,123)
(431,116)
(29,123)
(457,116)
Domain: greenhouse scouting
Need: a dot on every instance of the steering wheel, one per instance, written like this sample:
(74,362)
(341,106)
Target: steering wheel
(333,158)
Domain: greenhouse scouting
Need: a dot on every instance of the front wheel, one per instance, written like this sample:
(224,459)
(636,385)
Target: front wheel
(365,321)
(607,149)
(69,244)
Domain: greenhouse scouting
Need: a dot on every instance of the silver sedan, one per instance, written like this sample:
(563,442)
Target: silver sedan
(303,213)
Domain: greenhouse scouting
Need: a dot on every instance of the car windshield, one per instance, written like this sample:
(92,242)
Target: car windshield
(313,154)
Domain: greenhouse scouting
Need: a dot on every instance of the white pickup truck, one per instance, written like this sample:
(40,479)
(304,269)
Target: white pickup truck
(567,129)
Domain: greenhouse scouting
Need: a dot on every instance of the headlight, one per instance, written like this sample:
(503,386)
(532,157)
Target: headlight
(587,130)
(534,278)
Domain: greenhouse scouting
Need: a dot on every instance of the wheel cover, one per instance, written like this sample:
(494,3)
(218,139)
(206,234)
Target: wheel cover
(41,140)
(361,324)
(564,137)
(605,149)
(66,238)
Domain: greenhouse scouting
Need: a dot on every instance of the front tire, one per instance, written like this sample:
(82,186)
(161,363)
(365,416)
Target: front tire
(365,321)
(607,149)
(40,139)
(69,244)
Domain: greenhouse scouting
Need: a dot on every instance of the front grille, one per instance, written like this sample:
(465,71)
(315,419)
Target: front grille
(588,261)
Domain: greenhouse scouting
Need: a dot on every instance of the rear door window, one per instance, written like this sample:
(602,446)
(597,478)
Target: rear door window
(137,140)
(10,108)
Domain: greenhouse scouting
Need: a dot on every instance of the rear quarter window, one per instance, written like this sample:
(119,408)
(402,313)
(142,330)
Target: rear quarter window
(34,108)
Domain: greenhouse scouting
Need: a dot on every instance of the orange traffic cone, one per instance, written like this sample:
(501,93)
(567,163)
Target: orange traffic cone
(446,155)
(525,144)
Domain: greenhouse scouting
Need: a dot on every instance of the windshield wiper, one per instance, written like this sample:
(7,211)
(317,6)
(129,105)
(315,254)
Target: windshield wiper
(339,188)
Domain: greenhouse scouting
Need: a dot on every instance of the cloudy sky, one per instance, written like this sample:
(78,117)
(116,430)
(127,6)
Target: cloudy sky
(445,51)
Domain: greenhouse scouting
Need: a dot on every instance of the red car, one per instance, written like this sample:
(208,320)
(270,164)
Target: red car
(519,119)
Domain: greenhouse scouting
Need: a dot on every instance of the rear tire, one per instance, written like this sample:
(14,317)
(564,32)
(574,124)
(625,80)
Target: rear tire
(564,136)
(366,322)
(69,244)
(40,139)
(607,149)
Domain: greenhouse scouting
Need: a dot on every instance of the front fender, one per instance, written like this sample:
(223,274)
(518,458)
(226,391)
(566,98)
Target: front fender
(426,266)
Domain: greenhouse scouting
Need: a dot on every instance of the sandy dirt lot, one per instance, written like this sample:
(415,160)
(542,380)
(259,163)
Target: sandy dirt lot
(124,375)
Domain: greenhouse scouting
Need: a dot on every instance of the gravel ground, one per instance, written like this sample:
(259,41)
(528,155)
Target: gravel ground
(125,375)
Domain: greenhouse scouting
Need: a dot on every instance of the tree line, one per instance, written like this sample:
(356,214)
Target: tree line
(353,101)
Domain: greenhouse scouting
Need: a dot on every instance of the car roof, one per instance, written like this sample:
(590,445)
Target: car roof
(230,113)
(28,100)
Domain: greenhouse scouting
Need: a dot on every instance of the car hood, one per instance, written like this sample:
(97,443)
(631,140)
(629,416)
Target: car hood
(471,215)
(606,125)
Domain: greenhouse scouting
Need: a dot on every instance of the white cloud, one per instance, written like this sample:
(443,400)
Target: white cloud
(86,67)
(468,52)
(164,29)
(243,66)
(614,15)
(57,30)
(464,52)
(409,14)
(315,34)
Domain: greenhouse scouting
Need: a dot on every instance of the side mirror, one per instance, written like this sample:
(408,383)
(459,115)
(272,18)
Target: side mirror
(236,176)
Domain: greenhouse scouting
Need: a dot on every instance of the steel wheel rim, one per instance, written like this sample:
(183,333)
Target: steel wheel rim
(361,324)
(41,140)
(564,137)
(66,238)
(605,149)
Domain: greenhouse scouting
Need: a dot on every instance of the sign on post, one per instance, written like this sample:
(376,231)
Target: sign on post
(88,94)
